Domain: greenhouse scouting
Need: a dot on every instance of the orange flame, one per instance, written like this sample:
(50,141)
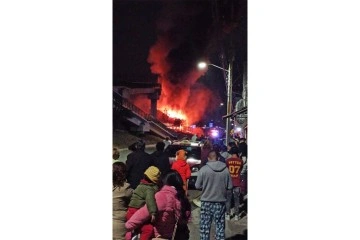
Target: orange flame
(175,114)
(184,99)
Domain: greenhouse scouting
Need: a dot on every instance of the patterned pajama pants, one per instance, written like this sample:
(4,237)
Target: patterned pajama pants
(210,210)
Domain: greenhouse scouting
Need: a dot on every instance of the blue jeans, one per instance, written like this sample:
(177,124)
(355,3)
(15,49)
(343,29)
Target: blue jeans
(236,193)
(208,211)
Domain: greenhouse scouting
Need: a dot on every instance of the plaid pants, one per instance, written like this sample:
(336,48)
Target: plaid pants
(208,211)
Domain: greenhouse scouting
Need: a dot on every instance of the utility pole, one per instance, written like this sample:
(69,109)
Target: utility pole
(229,102)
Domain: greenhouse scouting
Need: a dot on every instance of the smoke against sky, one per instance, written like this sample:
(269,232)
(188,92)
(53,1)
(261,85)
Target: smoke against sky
(164,40)
(184,36)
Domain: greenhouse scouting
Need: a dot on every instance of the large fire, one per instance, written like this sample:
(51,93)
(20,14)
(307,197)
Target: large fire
(186,99)
(172,59)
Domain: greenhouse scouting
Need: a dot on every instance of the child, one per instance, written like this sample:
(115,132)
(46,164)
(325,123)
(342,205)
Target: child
(145,194)
(181,166)
(121,197)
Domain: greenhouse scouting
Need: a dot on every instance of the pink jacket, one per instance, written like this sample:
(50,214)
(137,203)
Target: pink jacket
(168,208)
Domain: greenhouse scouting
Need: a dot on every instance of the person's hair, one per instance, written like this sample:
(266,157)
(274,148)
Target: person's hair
(167,138)
(137,146)
(140,145)
(160,146)
(234,151)
(116,154)
(132,147)
(173,178)
(214,151)
(207,145)
(119,174)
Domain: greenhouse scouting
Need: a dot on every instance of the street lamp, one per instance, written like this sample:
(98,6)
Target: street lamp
(203,65)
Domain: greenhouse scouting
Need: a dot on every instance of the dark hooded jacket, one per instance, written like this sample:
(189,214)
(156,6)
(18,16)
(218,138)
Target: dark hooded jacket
(161,161)
(242,149)
(136,164)
(214,180)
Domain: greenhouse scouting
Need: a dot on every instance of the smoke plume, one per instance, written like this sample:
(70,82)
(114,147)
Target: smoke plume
(184,37)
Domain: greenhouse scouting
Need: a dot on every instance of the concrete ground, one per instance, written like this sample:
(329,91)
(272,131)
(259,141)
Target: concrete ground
(233,229)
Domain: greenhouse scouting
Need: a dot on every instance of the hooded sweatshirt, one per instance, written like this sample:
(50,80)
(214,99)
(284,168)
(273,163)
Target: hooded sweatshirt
(181,166)
(214,180)
(169,209)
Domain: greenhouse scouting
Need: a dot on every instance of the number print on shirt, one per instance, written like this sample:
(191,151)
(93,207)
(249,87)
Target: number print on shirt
(234,169)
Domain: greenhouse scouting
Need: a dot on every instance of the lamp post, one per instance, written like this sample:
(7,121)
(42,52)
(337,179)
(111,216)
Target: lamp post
(202,65)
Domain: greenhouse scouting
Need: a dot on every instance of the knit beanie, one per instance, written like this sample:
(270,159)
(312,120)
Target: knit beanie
(153,173)
(181,154)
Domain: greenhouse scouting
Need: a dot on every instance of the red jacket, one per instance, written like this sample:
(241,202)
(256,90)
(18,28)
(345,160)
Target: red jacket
(182,168)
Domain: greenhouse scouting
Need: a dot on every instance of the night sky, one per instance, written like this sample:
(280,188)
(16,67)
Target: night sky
(200,29)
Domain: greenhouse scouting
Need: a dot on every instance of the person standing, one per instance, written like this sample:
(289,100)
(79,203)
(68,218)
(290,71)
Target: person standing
(121,197)
(194,138)
(161,159)
(218,150)
(136,164)
(205,149)
(243,174)
(181,166)
(234,164)
(214,180)
(242,147)
(225,153)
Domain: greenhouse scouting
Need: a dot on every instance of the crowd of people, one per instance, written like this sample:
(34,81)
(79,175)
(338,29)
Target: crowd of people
(150,199)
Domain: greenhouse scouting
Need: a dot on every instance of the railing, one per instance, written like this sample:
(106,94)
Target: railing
(120,102)
(159,125)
